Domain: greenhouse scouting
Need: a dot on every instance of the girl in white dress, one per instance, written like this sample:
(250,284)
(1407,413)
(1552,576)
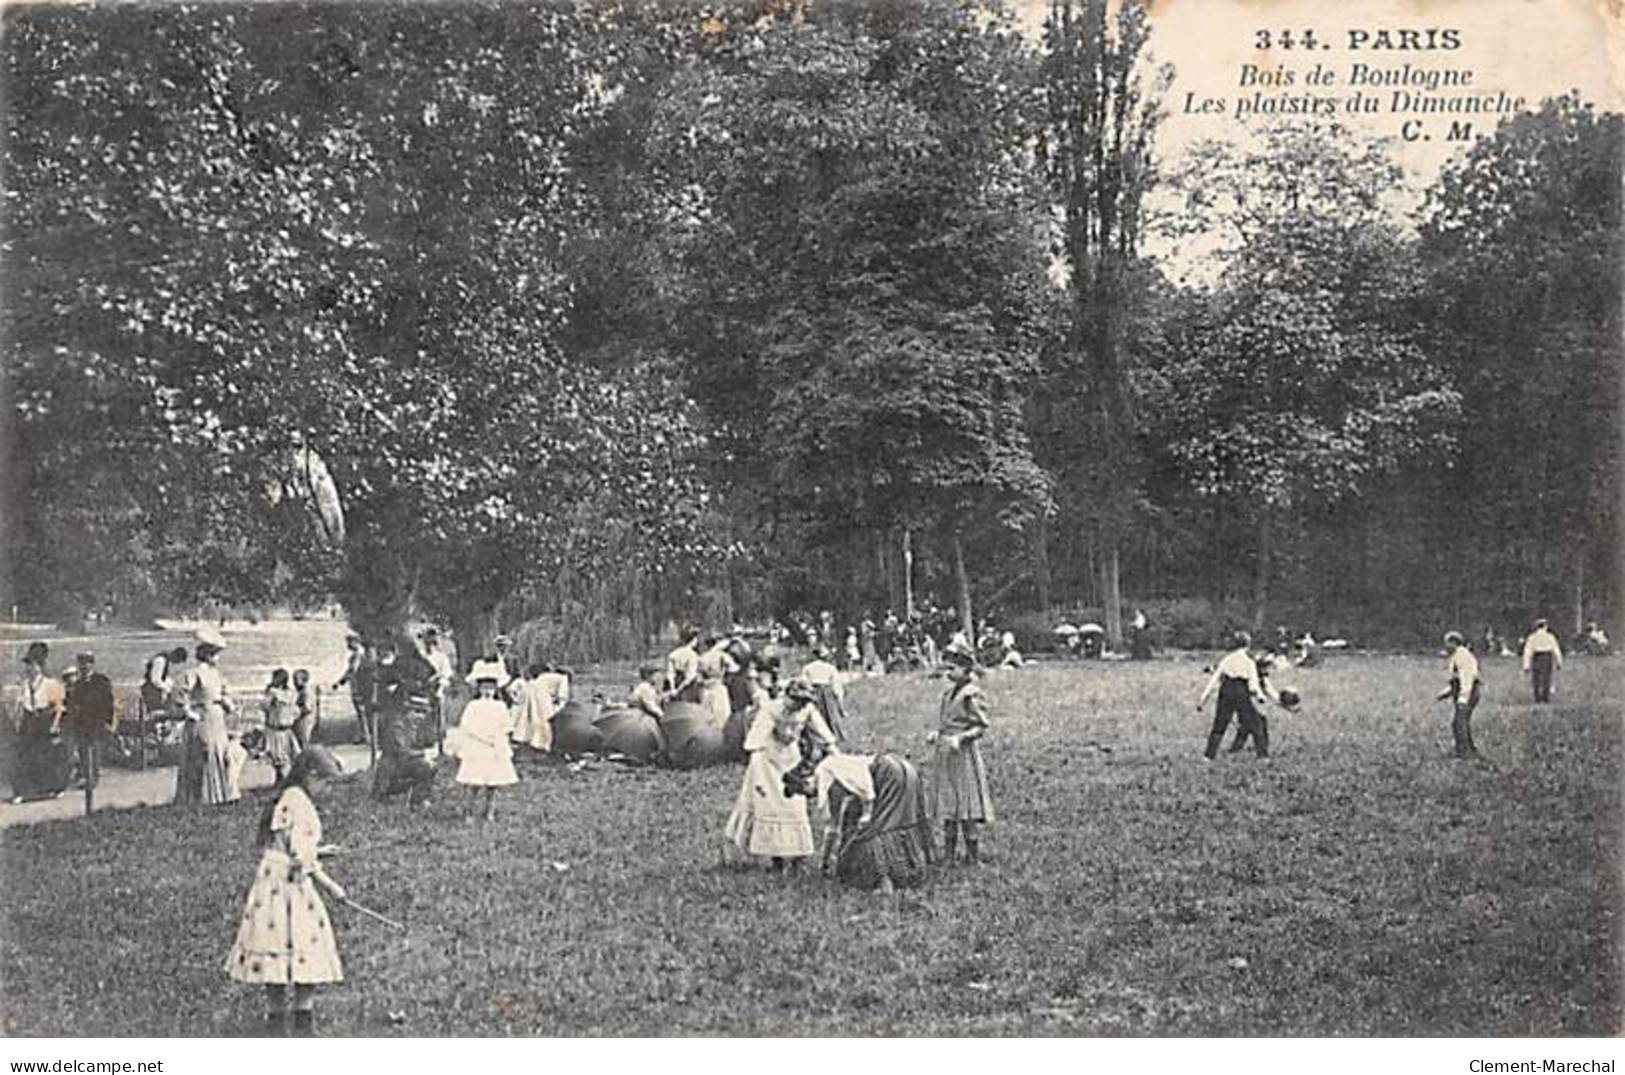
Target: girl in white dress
(286,938)
(766,822)
(483,747)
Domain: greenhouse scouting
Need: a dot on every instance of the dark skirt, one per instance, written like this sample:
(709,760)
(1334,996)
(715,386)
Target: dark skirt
(829,704)
(897,843)
(41,760)
(739,698)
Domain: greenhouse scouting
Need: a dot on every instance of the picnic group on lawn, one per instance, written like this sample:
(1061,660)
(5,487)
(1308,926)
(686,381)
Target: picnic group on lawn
(880,813)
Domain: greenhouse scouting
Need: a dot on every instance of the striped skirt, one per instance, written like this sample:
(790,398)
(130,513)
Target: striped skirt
(959,784)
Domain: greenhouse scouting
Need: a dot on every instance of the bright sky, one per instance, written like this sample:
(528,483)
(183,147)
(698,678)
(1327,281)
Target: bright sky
(1523,48)
(1528,48)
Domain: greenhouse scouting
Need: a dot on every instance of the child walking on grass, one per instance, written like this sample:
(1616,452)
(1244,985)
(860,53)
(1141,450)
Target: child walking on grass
(285,939)
(483,747)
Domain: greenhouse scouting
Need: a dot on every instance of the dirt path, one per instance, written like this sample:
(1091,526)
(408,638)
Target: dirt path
(121,789)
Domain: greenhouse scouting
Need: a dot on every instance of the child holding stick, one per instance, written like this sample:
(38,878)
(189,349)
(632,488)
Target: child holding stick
(286,937)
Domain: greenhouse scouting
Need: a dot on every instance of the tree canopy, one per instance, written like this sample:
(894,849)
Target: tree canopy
(612,315)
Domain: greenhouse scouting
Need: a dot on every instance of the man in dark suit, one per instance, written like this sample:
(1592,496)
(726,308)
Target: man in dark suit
(88,716)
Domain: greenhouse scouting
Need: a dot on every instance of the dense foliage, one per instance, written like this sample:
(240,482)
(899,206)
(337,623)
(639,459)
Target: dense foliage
(707,311)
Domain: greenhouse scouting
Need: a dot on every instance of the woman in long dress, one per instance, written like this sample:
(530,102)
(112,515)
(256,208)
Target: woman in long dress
(879,832)
(39,767)
(203,772)
(959,793)
(286,937)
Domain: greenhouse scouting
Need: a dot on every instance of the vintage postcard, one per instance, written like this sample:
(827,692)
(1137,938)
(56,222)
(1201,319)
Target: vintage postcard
(857,519)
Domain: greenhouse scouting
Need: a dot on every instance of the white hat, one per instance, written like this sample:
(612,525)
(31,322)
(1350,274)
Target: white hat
(209,636)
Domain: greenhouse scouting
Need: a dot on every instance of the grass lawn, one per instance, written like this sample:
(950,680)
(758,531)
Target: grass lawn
(1361,884)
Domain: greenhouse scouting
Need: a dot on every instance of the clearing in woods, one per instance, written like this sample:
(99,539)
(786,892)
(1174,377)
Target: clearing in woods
(1361,883)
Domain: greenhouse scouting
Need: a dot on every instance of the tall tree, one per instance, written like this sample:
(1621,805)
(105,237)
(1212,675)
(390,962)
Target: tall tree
(1304,381)
(1523,244)
(860,262)
(1103,110)
(336,229)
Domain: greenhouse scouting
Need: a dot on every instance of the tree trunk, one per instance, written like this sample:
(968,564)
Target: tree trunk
(1111,594)
(1153,566)
(962,584)
(1261,582)
(1579,589)
(1041,570)
(473,627)
(1091,573)
(908,571)
(376,591)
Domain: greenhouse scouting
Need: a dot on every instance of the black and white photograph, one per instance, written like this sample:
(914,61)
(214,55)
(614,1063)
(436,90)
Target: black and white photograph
(837,519)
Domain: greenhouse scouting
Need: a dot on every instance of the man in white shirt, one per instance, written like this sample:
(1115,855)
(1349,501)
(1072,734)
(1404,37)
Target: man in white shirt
(1542,655)
(821,672)
(1240,696)
(1463,692)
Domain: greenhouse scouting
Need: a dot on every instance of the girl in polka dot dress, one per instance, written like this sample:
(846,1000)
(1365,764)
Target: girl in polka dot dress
(286,937)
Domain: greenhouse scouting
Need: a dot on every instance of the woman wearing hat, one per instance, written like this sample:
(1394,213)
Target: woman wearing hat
(959,792)
(40,768)
(203,772)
